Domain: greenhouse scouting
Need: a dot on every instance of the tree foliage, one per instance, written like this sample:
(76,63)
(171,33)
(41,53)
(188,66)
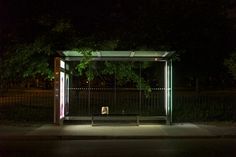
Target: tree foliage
(231,64)
(197,30)
(123,71)
(34,58)
(128,71)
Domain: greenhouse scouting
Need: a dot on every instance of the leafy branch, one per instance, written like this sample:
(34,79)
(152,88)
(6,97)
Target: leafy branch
(231,64)
(85,63)
(124,71)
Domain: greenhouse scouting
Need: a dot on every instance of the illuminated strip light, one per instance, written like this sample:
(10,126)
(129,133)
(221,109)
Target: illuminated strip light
(166,88)
(165,54)
(99,54)
(62,64)
(171,94)
(132,54)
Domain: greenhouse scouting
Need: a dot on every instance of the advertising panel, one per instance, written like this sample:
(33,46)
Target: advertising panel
(67,95)
(62,96)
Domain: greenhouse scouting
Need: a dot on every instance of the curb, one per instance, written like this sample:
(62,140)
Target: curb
(75,137)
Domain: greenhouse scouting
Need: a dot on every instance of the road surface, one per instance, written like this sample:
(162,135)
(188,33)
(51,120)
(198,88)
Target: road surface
(117,148)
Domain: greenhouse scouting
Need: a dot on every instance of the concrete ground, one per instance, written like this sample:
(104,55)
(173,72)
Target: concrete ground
(185,130)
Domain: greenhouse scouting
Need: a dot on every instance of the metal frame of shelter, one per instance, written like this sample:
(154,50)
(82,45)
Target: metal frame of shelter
(62,75)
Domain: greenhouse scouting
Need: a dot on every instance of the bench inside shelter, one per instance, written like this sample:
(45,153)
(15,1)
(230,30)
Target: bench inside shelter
(121,118)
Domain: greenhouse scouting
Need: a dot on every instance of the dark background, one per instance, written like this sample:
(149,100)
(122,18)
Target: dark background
(202,32)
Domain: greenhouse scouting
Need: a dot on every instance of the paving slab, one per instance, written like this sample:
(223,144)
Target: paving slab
(176,130)
(7,130)
(187,130)
(224,131)
(68,132)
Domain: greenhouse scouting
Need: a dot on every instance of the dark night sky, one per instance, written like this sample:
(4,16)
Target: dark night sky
(156,22)
(109,15)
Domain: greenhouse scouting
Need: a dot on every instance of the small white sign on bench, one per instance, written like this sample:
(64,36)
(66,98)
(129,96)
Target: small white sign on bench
(104,110)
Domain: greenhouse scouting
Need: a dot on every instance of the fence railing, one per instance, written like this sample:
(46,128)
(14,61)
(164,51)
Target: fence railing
(204,108)
(27,105)
(37,105)
(186,107)
(84,101)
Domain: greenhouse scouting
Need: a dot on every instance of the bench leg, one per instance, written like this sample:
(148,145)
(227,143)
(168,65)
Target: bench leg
(137,120)
(92,121)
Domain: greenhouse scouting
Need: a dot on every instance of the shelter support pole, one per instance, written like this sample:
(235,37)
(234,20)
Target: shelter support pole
(140,89)
(89,92)
(168,91)
(115,88)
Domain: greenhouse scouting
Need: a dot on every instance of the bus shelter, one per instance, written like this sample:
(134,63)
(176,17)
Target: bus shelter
(63,79)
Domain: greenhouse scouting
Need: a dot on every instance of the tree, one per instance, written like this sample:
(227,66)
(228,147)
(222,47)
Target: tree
(32,58)
(195,29)
(231,64)
(124,71)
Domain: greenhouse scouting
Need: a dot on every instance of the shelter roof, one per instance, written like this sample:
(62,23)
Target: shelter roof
(119,55)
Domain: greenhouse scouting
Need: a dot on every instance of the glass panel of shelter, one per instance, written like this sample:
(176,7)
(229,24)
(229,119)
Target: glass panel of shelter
(89,96)
(152,104)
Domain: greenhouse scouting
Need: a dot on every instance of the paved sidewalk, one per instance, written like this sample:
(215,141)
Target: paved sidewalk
(71,132)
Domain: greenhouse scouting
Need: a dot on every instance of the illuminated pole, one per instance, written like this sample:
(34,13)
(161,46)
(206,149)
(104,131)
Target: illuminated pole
(140,90)
(168,91)
(171,90)
(169,74)
(115,90)
(165,89)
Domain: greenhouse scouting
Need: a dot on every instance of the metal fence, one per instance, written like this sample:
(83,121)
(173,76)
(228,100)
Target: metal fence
(205,107)
(85,102)
(26,105)
(186,107)
(37,105)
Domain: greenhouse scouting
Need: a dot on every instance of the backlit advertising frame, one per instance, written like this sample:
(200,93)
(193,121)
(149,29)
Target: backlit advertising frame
(61,90)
